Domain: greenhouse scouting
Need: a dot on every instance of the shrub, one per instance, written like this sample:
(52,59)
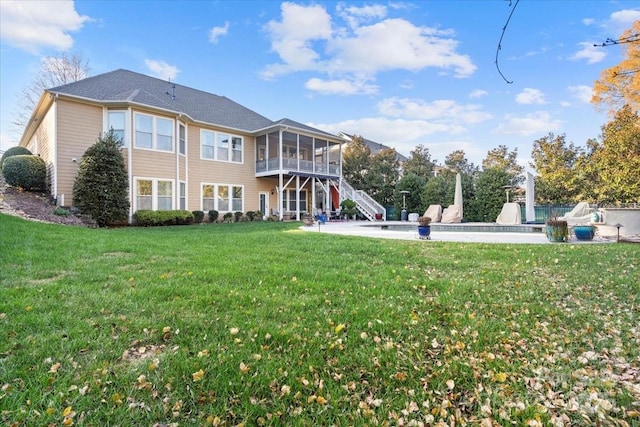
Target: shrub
(26,171)
(213,215)
(102,186)
(227,217)
(60,211)
(237,216)
(251,215)
(14,151)
(198,216)
(149,218)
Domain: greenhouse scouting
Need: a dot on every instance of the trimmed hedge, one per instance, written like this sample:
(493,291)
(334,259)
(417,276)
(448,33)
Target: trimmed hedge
(213,215)
(14,151)
(148,218)
(198,216)
(26,171)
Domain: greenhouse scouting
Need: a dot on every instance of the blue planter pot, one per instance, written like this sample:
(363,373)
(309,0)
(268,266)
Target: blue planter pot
(424,232)
(584,232)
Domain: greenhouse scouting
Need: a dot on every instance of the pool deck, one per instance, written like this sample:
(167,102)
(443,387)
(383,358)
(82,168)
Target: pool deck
(464,232)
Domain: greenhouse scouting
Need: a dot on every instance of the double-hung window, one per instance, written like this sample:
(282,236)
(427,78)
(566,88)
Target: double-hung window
(153,133)
(222,197)
(221,146)
(182,136)
(154,194)
(116,123)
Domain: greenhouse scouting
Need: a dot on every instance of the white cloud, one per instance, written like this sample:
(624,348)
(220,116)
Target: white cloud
(355,16)
(216,32)
(292,37)
(307,39)
(530,96)
(441,111)
(340,87)
(31,25)
(589,52)
(161,69)
(588,21)
(530,124)
(478,93)
(581,92)
(624,18)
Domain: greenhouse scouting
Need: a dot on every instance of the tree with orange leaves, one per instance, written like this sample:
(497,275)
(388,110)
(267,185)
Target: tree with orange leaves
(620,84)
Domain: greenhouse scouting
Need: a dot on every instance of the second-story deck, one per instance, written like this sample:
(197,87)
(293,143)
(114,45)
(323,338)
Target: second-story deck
(295,166)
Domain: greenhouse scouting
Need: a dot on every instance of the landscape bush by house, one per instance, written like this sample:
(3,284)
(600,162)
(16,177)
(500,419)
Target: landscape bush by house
(25,171)
(149,218)
(14,151)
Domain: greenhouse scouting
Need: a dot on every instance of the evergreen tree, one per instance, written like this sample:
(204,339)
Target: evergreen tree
(101,187)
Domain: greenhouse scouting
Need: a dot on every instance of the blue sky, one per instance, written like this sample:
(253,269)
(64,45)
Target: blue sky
(401,73)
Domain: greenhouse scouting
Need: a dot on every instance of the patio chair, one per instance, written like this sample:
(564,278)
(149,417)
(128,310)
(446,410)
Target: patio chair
(434,212)
(451,215)
(579,215)
(510,214)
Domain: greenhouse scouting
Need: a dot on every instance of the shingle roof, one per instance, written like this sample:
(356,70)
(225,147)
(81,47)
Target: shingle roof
(128,86)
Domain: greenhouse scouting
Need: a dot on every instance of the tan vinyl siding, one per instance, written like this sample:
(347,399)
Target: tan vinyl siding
(217,172)
(79,126)
(153,164)
(42,144)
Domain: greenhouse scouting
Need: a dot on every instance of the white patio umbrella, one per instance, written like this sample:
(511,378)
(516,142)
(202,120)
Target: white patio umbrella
(457,198)
(530,199)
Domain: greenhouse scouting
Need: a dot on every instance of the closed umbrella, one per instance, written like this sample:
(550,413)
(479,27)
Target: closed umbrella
(457,198)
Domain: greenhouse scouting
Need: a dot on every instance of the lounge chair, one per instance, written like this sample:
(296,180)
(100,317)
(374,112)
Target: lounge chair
(434,212)
(579,215)
(510,214)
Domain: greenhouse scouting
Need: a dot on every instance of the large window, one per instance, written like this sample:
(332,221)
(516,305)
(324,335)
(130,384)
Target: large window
(221,146)
(289,200)
(154,194)
(222,197)
(153,133)
(116,122)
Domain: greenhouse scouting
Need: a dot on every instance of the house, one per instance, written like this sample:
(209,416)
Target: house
(185,148)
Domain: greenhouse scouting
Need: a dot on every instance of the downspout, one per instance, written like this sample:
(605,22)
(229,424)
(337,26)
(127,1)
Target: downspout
(281,178)
(129,121)
(54,169)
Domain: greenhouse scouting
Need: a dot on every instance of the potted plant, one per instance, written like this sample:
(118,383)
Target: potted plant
(557,230)
(584,232)
(424,227)
(348,207)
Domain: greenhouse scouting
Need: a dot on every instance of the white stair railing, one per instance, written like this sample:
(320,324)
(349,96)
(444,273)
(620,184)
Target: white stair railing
(365,204)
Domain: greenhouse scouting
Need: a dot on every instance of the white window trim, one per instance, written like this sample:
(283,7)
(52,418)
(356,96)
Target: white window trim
(127,125)
(154,133)
(215,146)
(216,187)
(154,192)
(186,133)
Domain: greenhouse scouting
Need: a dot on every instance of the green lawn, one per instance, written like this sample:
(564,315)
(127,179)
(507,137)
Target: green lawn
(265,324)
